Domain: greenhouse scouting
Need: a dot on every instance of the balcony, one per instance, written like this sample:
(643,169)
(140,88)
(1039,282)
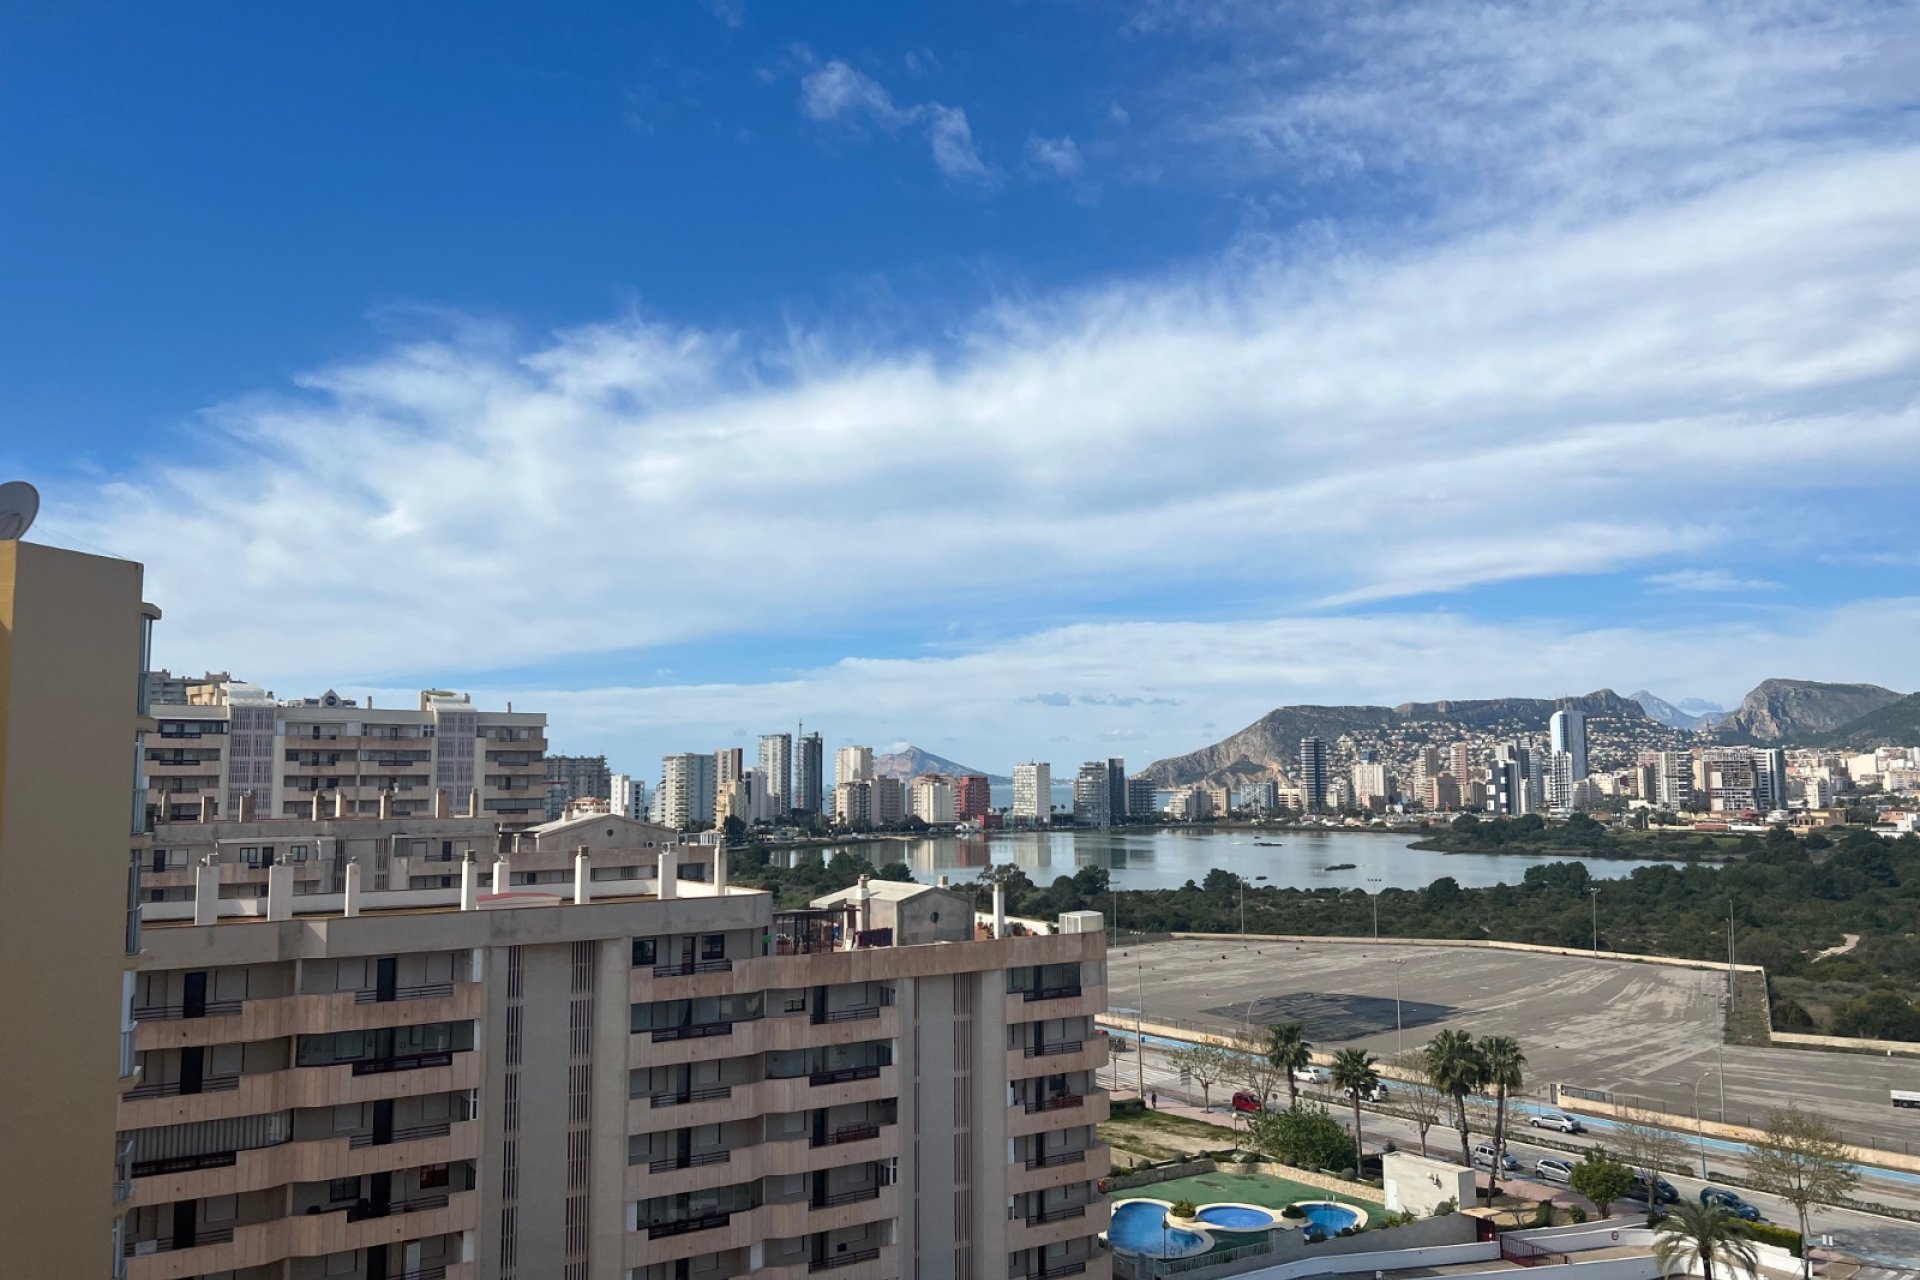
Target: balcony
(695,1031)
(210,1235)
(685,1097)
(1054,1159)
(672,1163)
(1058,1102)
(173,1089)
(860,1013)
(1051,993)
(845,1133)
(424,991)
(843,1075)
(404,1062)
(393,1208)
(173,1012)
(688,968)
(844,1259)
(411,1133)
(1060,1214)
(838,1198)
(1053,1050)
(684,1226)
(1061,1269)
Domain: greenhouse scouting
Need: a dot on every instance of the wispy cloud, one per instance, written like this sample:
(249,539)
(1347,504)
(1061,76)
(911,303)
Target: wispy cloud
(1709,581)
(835,92)
(1058,156)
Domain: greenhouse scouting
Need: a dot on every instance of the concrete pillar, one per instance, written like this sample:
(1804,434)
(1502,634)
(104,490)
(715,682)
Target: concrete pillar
(440,809)
(339,804)
(352,907)
(244,811)
(386,803)
(469,883)
(207,809)
(314,803)
(206,892)
(582,879)
(719,869)
(999,911)
(473,802)
(280,891)
(502,874)
(665,888)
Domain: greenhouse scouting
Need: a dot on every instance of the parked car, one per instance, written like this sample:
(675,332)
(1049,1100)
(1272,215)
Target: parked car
(1663,1191)
(1556,1120)
(1729,1201)
(1483,1158)
(1313,1075)
(1553,1169)
(1376,1094)
(1244,1101)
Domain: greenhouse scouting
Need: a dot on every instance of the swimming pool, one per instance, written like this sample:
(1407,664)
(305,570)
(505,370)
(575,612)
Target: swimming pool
(1237,1217)
(1328,1218)
(1139,1226)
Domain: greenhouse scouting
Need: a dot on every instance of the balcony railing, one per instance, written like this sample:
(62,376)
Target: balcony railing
(671,1163)
(680,1098)
(687,968)
(172,1089)
(1058,1102)
(416,1204)
(859,1013)
(166,1244)
(1060,1214)
(424,1273)
(424,991)
(174,1012)
(185,1164)
(845,1133)
(1054,1050)
(411,1133)
(1064,1269)
(682,1226)
(405,1062)
(854,1196)
(843,1259)
(695,1031)
(1051,993)
(842,1075)
(1052,1159)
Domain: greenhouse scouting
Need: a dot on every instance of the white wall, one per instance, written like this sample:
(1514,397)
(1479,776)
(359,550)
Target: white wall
(1420,1184)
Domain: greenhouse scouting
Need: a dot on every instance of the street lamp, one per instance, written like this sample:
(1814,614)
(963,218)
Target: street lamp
(1398,1027)
(1699,1129)
(1593,892)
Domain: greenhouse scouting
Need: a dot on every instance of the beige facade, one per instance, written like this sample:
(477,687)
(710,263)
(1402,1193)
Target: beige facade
(235,744)
(599,1078)
(72,652)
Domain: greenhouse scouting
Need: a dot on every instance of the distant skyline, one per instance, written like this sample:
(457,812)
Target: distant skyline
(1028,381)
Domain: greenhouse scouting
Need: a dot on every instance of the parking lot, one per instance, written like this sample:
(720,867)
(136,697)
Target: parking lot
(1640,1030)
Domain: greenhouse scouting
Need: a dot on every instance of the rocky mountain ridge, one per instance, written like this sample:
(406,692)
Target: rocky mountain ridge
(1788,712)
(905,760)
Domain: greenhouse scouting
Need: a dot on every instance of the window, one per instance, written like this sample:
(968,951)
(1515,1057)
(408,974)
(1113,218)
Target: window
(434,1175)
(343,1189)
(250,854)
(220,1208)
(644,952)
(348,1117)
(713,947)
(297,853)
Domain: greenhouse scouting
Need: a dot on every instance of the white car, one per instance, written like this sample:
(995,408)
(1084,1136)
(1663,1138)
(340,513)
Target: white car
(1553,1170)
(1313,1075)
(1556,1120)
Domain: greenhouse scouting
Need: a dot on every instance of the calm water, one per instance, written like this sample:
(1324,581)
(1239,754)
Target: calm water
(1168,859)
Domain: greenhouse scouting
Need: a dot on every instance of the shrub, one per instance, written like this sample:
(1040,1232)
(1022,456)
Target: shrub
(1313,1235)
(1576,1213)
(1293,1211)
(1768,1233)
(1444,1208)
(1347,1175)
(1344,1231)
(1543,1214)
(1184,1209)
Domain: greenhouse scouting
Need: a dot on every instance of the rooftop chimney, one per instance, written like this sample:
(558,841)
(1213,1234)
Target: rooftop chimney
(665,887)
(314,804)
(720,870)
(469,883)
(386,803)
(339,804)
(473,802)
(245,808)
(352,907)
(207,808)
(582,890)
(440,809)
(280,891)
(502,874)
(999,911)
(206,891)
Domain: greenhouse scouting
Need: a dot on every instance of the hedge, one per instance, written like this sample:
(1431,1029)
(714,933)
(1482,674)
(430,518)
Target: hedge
(1768,1233)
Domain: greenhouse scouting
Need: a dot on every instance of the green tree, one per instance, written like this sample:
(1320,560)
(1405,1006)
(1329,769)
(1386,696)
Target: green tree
(1454,1066)
(1502,1067)
(736,828)
(1289,1050)
(1207,1063)
(1650,1148)
(1353,1071)
(1601,1179)
(1877,1015)
(1703,1233)
(1304,1135)
(898,871)
(1802,1160)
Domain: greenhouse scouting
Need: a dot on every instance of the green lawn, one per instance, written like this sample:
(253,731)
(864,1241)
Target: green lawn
(1241,1188)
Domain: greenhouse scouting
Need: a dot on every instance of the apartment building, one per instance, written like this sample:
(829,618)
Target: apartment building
(73,647)
(656,1077)
(1143,799)
(233,739)
(972,797)
(852,764)
(776,766)
(686,792)
(1033,792)
(809,784)
(1314,779)
(931,799)
(576,778)
(889,802)
(627,796)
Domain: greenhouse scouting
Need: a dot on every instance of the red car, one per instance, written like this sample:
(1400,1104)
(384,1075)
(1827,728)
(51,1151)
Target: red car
(1244,1101)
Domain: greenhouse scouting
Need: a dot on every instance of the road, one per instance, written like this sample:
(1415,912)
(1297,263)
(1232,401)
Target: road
(1646,1033)
(1890,1242)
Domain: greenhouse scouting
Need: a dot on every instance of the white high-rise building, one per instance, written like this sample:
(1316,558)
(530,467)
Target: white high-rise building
(1561,782)
(931,800)
(1568,730)
(687,784)
(776,767)
(1370,782)
(1033,792)
(853,764)
(629,797)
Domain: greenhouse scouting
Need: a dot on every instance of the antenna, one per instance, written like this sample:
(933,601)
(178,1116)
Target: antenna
(19,504)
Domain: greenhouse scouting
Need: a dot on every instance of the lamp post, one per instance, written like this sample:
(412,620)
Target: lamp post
(1593,891)
(1139,1018)
(1375,895)
(1398,1026)
(1699,1129)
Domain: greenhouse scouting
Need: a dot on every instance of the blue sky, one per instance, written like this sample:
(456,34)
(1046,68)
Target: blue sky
(1024,380)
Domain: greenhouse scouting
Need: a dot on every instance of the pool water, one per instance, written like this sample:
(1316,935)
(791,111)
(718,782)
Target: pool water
(1330,1218)
(1139,1226)
(1236,1217)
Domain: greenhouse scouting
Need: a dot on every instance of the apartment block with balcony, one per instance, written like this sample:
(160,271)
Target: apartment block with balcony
(234,743)
(74,639)
(608,1078)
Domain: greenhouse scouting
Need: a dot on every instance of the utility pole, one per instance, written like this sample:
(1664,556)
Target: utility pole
(1139,1018)
(1594,892)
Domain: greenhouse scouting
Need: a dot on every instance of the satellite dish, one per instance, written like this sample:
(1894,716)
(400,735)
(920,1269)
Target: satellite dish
(19,504)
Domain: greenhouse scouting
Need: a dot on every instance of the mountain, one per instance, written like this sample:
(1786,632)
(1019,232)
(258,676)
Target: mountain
(1688,713)
(1895,725)
(908,761)
(1780,711)
(1617,727)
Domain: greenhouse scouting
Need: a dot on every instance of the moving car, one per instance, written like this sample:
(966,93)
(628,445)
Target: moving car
(1244,1101)
(1483,1158)
(1553,1169)
(1376,1094)
(1313,1075)
(1663,1192)
(1556,1120)
(1732,1203)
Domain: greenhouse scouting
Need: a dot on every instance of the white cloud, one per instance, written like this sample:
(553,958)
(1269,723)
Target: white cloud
(836,92)
(1059,156)
(1705,581)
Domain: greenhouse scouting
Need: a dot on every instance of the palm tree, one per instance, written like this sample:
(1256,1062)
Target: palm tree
(1706,1233)
(1353,1071)
(1288,1051)
(1454,1066)
(1502,1066)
